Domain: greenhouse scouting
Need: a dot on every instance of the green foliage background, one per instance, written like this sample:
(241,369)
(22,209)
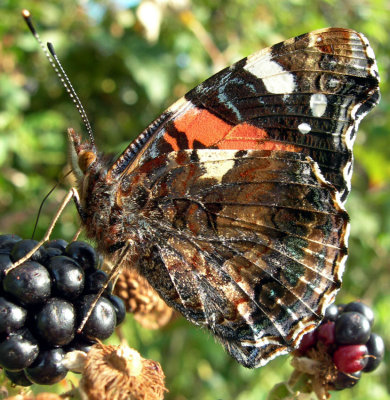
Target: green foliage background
(125,81)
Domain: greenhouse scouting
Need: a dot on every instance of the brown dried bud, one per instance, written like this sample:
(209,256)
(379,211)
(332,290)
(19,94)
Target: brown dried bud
(120,373)
(142,300)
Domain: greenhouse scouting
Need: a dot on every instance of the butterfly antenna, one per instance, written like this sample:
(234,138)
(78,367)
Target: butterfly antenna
(59,70)
(43,202)
(40,209)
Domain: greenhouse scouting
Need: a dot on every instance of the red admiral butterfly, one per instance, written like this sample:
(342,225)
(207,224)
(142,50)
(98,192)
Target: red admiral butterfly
(230,204)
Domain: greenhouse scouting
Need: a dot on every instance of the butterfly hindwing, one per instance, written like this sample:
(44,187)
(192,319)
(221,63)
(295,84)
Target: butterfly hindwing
(250,244)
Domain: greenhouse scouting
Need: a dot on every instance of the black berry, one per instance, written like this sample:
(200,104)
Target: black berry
(59,244)
(95,281)
(5,263)
(346,381)
(12,316)
(331,312)
(361,308)
(42,303)
(53,252)
(18,378)
(68,277)
(56,322)
(18,350)
(29,283)
(80,343)
(352,328)
(119,306)
(7,242)
(83,253)
(102,321)
(47,368)
(22,247)
(376,351)
(340,307)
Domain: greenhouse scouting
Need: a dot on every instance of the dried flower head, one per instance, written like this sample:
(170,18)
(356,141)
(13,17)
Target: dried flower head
(319,365)
(142,300)
(120,373)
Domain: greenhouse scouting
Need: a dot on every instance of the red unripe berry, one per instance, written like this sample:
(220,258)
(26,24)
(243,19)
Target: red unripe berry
(350,358)
(308,341)
(326,333)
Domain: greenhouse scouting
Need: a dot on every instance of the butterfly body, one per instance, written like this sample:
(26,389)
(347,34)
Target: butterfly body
(231,203)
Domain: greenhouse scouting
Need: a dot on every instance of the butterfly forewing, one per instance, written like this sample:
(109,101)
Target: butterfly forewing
(307,94)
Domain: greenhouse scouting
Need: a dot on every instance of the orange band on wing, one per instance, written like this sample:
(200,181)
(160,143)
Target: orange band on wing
(200,126)
(249,137)
(211,131)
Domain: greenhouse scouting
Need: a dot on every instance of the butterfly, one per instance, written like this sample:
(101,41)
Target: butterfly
(230,203)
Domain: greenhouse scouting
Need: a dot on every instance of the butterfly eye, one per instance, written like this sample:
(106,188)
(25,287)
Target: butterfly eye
(85,160)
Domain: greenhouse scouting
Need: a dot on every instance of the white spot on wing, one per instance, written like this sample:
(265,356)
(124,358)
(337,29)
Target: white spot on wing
(318,103)
(217,169)
(304,128)
(274,77)
(370,52)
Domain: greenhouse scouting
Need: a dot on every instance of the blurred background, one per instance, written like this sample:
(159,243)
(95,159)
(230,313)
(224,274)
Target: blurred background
(129,60)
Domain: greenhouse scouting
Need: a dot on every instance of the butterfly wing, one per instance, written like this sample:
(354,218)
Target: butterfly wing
(250,244)
(307,94)
(232,221)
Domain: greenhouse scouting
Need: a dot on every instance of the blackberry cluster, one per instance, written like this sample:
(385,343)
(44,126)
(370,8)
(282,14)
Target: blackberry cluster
(42,303)
(345,334)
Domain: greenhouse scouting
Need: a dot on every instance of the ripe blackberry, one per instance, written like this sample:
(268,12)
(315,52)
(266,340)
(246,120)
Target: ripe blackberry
(68,277)
(56,322)
(376,351)
(7,243)
(358,306)
(12,316)
(41,303)
(18,350)
(47,368)
(5,263)
(95,281)
(83,253)
(352,328)
(346,381)
(119,306)
(80,343)
(18,377)
(59,244)
(22,247)
(29,284)
(102,321)
(331,312)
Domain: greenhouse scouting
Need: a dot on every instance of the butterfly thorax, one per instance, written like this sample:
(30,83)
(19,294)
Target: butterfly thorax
(101,215)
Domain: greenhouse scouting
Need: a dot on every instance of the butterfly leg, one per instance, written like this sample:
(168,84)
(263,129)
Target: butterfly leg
(71,194)
(112,276)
